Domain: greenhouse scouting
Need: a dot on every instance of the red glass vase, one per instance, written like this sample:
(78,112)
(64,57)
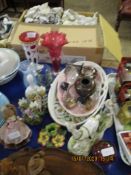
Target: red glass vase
(55,56)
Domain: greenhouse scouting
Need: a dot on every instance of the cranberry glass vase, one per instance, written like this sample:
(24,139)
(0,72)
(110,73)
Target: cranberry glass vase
(54,41)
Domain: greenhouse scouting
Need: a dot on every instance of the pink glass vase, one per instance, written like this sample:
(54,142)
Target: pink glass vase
(54,41)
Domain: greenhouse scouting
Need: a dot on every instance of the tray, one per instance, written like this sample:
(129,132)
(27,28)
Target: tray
(57,162)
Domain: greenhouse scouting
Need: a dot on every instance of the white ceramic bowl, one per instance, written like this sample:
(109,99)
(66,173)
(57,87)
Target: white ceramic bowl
(61,116)
(9,65)
(8,78)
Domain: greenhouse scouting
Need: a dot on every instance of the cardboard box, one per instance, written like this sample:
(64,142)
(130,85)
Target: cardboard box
(89,42)
(3,43)
(3,5)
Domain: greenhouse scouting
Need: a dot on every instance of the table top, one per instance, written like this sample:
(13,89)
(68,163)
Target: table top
(15,89)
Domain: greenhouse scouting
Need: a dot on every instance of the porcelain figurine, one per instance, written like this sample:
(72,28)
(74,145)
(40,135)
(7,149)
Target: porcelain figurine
(34,105)
(82,139)
(83,136)
(14,132)
(87,130)
(32,87)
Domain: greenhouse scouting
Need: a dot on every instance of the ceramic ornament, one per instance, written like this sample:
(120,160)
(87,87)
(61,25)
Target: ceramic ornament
(34,105)
(53,135)
(32,86)
(14,133)
(87,130)
(82,139)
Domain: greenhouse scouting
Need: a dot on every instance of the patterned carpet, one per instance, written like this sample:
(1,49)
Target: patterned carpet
(108,8)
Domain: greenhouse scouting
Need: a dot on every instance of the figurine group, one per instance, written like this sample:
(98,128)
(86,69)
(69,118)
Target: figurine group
(34,105)
(14,132)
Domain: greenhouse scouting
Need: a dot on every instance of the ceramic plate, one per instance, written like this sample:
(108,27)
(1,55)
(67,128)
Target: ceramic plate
(115,108)
(9,64)
(8,78)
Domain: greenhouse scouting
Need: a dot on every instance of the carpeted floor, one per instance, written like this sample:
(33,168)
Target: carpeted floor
(108,8)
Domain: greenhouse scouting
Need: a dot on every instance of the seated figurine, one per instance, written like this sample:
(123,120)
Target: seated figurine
(14,132)
(84,136)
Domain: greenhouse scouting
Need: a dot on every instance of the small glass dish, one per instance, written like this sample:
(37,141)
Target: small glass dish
(125,143)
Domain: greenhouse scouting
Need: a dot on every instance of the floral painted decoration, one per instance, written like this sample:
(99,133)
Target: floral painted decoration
(52,136)
(34,106)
